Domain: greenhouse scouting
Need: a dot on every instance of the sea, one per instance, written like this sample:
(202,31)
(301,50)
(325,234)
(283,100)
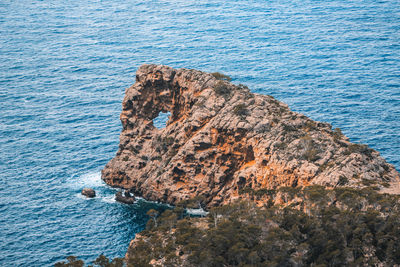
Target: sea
(64,67)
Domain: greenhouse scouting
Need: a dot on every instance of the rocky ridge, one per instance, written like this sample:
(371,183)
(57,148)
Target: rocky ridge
(221,139)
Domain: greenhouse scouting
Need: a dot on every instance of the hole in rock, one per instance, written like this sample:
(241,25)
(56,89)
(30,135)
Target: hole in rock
(161,120)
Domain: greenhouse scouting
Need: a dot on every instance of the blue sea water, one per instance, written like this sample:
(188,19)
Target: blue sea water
(64,66)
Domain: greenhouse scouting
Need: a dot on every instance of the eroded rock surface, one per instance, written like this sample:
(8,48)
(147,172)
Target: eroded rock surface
(221,139)
(88,192)
(126,198)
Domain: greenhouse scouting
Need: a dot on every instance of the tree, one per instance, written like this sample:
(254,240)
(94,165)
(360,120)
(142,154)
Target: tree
(72,262)
(103,261)
(153,215)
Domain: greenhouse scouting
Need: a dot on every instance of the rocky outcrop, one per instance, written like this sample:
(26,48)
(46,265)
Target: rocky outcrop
(88,192)
(221,139)
(125,198)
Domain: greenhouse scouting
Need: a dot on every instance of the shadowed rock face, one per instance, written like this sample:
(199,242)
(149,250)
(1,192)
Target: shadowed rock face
(221,138)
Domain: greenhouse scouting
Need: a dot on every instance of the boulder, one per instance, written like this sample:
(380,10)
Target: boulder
(88,192)
(125,198)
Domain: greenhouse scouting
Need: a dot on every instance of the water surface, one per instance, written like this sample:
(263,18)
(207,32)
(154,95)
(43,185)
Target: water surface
(64,66)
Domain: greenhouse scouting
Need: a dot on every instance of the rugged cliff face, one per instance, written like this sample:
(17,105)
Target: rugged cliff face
(221,139)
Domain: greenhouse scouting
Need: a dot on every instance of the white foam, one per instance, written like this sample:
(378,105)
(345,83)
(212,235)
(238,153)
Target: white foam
(79,195)
(108,199)
(102,196)
(91,179)
(197,212)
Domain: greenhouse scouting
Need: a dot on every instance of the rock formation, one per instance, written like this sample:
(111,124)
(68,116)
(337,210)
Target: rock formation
(88,192)
(221,138)
(125,198)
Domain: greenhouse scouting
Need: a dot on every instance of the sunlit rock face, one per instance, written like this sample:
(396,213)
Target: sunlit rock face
(221,139)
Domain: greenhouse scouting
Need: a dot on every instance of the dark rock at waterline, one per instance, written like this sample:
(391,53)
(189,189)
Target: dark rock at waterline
(128,194)
(126,198)
(88,192)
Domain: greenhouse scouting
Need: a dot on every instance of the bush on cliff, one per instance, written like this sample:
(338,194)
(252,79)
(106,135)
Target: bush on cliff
(314,227)
(101,261)
(328,228)
(240,110)
(221,76)
(221,88)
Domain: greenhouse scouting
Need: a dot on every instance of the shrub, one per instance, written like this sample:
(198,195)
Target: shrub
(310,125)
(243,87)
(326,165)
(289,128)
(291,191)
(337,134)
(318,233)
(280,145)
(311,154)
(159,158)
(367,182)
(359,148)
(221,88)
(315,192)
(240,110)
(342,180)
(265,192)
(72,262)
(221,76)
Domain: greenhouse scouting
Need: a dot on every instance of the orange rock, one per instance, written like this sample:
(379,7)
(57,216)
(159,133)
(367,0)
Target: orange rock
(221,138)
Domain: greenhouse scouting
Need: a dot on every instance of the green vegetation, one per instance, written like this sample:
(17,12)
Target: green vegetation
(360,149)
(240,110)
(326,166)
(310,125)
(221,88)
(101,261)
(72,261)
(367,182)
(221,76)
(313,226)
(243,87)
(280,145)
(343,181)
(337,134)
(310,150)
(340,227)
